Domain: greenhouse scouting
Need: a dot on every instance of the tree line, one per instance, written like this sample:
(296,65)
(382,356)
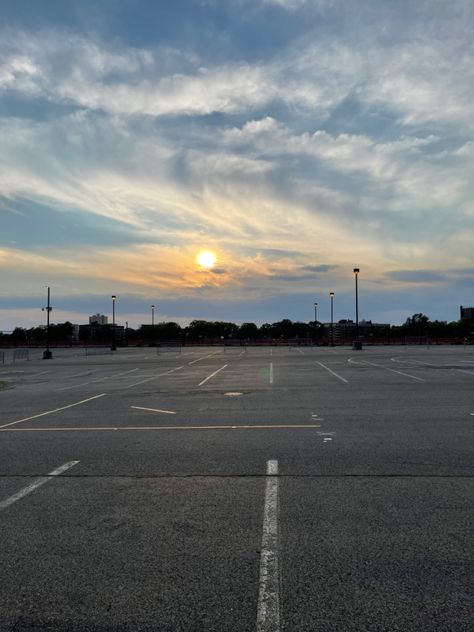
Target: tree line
(416,326)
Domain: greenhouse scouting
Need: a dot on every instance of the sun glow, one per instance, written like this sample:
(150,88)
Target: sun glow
(206,259)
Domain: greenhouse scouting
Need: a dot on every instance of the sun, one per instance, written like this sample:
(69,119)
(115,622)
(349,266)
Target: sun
(206,259)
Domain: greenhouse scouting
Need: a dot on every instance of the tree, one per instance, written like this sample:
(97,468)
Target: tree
(248,331)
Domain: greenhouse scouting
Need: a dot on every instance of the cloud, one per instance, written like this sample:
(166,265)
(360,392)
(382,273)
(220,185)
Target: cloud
(341,135)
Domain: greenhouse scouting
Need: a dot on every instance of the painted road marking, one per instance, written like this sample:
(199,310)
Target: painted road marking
(464,371)
(339,377)
(103,428)
(268,608)
(271,373)
(33,375)
(40,481)
(100,379)
(109,377)
(55,410)
(203,357)
(212,375)
(413,377)
(302,352)
(155,410)
(69,377)
(148,379)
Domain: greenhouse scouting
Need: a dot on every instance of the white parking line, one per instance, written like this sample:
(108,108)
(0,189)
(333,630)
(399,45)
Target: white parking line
(271,373)
(100,379)
(464,371)
(155,410)
(339,377)
(40,481)
(109,377)
(413,377)
(212,375)
(29,377)
(268,608)
(55,410)
(155,377)
(201,358)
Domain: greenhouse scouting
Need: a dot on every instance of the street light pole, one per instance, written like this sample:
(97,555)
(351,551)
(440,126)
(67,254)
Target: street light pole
(113,346)
(47,355)
(357,345)
(153,324)
(316,322)
(331,295)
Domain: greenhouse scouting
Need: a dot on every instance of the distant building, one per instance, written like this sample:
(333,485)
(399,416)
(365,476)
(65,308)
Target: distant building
(345,330)
(467,313)
(98,319)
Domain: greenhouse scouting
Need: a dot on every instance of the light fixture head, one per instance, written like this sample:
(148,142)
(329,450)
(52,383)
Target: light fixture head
(356,270)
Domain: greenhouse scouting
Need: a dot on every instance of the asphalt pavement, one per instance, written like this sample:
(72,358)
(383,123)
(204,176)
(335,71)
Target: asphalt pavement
(263,489)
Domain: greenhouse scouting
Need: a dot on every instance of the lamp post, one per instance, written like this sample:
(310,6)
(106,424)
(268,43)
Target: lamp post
(113,346)
(153,324)
(47,355)
(331,296)
(316,322)
(357,344)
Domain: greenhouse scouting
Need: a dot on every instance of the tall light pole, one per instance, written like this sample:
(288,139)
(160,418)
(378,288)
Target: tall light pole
(153,324)
(316,322)
(357,345)
(113,346)
(331,296)
(47,355)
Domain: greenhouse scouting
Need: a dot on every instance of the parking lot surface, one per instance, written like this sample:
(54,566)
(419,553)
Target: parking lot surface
(251,489)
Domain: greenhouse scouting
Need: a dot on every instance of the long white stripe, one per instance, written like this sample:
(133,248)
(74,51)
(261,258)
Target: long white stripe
(155,410)
(268,609)
(339,377)
(212,375)
(201,358)
(155,377)
(40,481)
(55,410)
(271,372)
(413,377)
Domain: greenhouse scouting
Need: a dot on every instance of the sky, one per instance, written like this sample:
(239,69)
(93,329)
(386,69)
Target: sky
(295,139)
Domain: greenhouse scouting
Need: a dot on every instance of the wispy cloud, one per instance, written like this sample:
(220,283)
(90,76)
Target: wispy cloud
(351,140)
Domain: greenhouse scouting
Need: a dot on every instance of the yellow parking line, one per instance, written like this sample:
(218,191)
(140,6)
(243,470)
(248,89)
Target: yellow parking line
(222,427)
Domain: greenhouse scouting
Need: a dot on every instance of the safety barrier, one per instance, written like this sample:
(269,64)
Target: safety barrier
(21,354)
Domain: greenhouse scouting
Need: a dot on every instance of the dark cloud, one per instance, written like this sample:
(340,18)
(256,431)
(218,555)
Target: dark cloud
(319,268)
(417,276)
